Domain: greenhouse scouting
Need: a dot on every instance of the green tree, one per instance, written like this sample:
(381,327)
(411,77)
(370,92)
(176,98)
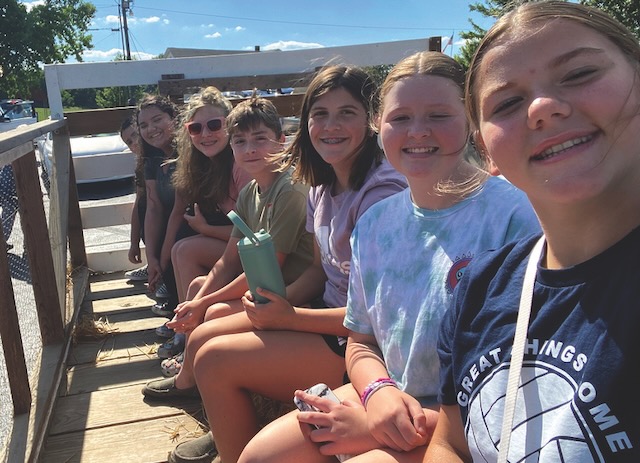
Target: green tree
(379,72)
(47,33)
(113,97)
(625,11)
(491,9)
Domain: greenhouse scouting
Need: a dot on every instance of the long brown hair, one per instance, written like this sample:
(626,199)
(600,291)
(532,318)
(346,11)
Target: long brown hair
(310,168)
(165,105)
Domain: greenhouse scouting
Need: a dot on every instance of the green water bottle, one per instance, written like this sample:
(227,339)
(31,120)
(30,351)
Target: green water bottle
(259,262)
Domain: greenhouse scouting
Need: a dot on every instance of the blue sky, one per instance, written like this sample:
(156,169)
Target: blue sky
(158,24)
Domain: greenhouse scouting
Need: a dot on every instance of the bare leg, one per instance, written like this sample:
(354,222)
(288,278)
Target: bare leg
(235,323)
(271,363)
(387,455)
(194,256)
(286,439)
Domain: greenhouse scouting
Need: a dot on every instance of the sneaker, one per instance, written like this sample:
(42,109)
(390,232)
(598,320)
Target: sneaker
(162,292)
(164,332)
(172,347)
(162,309)
(138,274)
(200,450)
(165,389)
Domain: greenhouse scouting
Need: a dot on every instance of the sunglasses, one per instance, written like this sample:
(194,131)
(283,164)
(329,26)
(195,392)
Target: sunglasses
(195,128)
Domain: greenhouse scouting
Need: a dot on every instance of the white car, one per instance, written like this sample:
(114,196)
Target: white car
(14,113)
(96,158)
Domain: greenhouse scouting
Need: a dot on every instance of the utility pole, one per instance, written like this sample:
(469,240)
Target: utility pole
(125,9)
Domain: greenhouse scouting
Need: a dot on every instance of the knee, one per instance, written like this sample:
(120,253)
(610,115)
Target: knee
(217,310)
(208,363)
(175,253)
(196,284)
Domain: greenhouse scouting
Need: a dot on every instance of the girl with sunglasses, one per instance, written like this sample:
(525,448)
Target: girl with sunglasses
(206,181)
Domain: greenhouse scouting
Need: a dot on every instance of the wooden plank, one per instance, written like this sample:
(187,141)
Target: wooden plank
(112,260)
(11,337)
(92,121)
(137,288)
(14,153)
(152,443)
(112,373)
(117,304)
(144,72)
(180,87)
(59,206)
(15,138)
(109,282)
(104,215)
(143,343)
(77,251)
(112,406)
(29,428)
(34,228)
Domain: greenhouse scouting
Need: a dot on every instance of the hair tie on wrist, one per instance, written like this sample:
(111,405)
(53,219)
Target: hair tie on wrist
(374,386)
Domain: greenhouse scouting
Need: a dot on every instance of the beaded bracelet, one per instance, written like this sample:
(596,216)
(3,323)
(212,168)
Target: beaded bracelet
(374,386)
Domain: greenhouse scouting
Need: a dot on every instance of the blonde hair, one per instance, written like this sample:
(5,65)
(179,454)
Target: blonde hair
(198,178)
(433,63)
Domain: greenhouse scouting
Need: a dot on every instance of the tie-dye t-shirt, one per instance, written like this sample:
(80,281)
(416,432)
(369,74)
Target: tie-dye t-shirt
(406,262)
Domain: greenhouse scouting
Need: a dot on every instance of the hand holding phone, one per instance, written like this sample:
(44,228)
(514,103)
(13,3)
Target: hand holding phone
(320,390)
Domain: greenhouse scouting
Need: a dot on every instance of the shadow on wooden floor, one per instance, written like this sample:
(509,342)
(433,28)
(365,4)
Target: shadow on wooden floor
(100,415)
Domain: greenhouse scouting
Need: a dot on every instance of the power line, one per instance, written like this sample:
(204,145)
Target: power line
(239,18)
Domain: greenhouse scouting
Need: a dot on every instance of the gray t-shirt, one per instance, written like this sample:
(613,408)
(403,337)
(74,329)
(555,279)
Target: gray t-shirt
(331,219)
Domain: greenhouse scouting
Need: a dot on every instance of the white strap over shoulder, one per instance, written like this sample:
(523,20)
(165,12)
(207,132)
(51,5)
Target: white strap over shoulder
(517,351)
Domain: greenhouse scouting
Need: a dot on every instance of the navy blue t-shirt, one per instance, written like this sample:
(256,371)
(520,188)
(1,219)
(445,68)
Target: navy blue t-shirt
(576,401)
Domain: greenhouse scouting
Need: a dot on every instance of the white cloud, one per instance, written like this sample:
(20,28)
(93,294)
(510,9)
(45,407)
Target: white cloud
(239,28)
(112,18)
(30,5)
(215,35)
(101,55)
(150,20)
(109,55)
(290,45)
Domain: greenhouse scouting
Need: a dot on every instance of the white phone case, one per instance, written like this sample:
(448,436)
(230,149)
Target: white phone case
(320,390)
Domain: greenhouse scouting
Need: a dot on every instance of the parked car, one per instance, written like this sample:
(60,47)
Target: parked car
(16,112)
(96,158)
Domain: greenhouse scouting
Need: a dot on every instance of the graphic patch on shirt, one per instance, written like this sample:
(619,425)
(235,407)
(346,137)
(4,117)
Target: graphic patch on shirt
(456,272)
(327,253)
(548,425)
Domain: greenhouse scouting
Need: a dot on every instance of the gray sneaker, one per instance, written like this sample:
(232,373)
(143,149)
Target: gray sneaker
(200,450)
(165,389)
(162,309)
(138,274)
(162,292)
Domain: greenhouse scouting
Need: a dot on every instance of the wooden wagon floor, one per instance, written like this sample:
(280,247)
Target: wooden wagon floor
(100,414)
